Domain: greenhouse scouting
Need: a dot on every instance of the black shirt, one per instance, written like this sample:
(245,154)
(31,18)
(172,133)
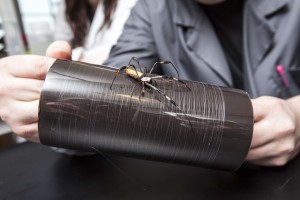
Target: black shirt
(227,19)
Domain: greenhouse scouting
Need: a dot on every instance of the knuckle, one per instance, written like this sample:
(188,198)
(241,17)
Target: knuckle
(275,103)
(288,128)
(22,131)
(39,70)
(288,148)
(4,115)
(39,67)
(279,162)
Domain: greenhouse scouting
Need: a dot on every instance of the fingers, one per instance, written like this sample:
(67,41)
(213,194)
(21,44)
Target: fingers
(272,161)
(274,140)
(283,147)
(34,67)
(273,121)
(276,160)
(23,119)
(28,131)
(260,136)
(270,129)
(260,108)
(59,50)
(22,79)
(17,113)
(23,89)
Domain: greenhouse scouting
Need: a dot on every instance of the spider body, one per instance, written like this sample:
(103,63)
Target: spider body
(134,74)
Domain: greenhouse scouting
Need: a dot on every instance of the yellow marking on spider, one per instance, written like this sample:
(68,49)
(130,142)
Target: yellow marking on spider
(133,73)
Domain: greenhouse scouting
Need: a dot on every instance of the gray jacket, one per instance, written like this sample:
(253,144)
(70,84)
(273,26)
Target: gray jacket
(179,31)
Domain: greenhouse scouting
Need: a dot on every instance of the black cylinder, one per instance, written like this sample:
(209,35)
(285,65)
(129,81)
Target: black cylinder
(193,123)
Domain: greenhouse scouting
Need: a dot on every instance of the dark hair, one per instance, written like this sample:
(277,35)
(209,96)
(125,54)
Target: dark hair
(80,13)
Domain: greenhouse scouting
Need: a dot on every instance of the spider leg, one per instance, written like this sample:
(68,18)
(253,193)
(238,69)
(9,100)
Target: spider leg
(133,89)
(161,93)
(171,77)
(171,101)
(137,61)
(163,63)
(121,69)
(143,90)
(164,76)
(117,74)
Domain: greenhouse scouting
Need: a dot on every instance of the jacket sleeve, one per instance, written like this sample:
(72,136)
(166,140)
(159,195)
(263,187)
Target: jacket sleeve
(136,40)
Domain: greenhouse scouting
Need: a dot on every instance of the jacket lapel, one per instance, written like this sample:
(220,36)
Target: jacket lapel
(202,38)
(258,32)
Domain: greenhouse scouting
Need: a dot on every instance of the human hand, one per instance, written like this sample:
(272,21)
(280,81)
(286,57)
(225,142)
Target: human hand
(276,136)
(22,78)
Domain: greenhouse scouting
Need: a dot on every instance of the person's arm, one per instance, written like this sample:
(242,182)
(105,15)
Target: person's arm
(136,40)
(22,78)
(276,136)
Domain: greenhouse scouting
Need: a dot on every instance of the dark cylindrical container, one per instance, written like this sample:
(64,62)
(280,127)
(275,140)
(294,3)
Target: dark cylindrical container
(210,126)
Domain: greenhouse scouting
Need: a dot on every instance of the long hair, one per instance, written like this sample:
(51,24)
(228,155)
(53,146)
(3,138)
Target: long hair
(80,13)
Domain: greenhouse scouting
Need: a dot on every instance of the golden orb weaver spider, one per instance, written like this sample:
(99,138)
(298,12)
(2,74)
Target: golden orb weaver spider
(146,79)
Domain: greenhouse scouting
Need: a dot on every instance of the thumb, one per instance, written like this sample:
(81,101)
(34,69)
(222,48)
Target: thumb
(59,50)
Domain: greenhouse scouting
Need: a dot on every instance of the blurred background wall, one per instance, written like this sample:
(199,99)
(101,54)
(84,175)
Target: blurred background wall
(28,21)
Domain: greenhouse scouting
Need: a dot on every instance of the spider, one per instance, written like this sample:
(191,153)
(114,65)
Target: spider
(146,79)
